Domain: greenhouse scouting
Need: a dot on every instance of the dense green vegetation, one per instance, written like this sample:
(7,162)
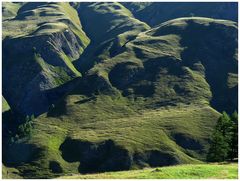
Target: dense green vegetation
(201,171)
(109,92)
(224,139)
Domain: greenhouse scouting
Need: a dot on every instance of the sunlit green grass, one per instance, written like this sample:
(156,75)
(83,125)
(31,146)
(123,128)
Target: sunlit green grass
(43,20)
(199,171)
(117,119)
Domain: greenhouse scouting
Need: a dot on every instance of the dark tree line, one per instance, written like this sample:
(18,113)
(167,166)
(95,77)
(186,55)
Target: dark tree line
(224,144)
(23,128)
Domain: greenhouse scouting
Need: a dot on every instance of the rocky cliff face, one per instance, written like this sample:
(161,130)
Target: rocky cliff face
(42,57)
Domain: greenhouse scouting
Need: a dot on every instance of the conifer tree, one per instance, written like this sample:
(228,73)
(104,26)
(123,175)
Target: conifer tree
(221,139)
(234,138)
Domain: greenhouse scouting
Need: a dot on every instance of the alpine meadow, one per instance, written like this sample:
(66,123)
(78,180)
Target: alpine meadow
(120,90)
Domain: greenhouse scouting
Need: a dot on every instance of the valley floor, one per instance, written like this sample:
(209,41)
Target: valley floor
(189,171)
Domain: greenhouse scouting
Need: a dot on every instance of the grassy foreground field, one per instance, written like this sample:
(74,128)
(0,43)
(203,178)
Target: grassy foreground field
(189,171)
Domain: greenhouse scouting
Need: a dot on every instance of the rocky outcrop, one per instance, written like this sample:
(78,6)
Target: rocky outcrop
(43,63)
(40,60)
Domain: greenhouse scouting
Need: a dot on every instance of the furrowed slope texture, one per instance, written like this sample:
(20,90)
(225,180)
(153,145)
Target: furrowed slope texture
(109,26)
(39,45)
(156,13)
(188,60)
(10,9)
(115,137)
(149,105)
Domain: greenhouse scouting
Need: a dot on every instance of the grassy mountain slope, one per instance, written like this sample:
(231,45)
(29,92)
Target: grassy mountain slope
(138,139)
(164,68)
(148,105)
(156,13)
(10,173)
(115,26)
(9,9)
(110,92)
(39,45)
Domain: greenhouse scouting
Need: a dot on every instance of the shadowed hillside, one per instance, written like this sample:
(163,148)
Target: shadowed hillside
(39,45)
(154,13)
(118,26)
(111,93)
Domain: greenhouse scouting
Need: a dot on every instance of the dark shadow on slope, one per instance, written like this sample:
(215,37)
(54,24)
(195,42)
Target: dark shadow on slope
(105,42)
(20,153)
(34,5)
(155,158)
(214,46)
(90,86)
(86,100)
(57,95)
(30,6)
(96,157)
(107,156)
(124,74)
(16,152)
(55,167)
(24,90)
(64,89)
(187,142)
(136,80)
(159,12)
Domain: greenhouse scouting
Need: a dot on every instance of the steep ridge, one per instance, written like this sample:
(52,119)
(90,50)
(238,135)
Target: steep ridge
(167,67)
(109,25)
(39,45)
(158,12)
(149,104)
(206,55)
